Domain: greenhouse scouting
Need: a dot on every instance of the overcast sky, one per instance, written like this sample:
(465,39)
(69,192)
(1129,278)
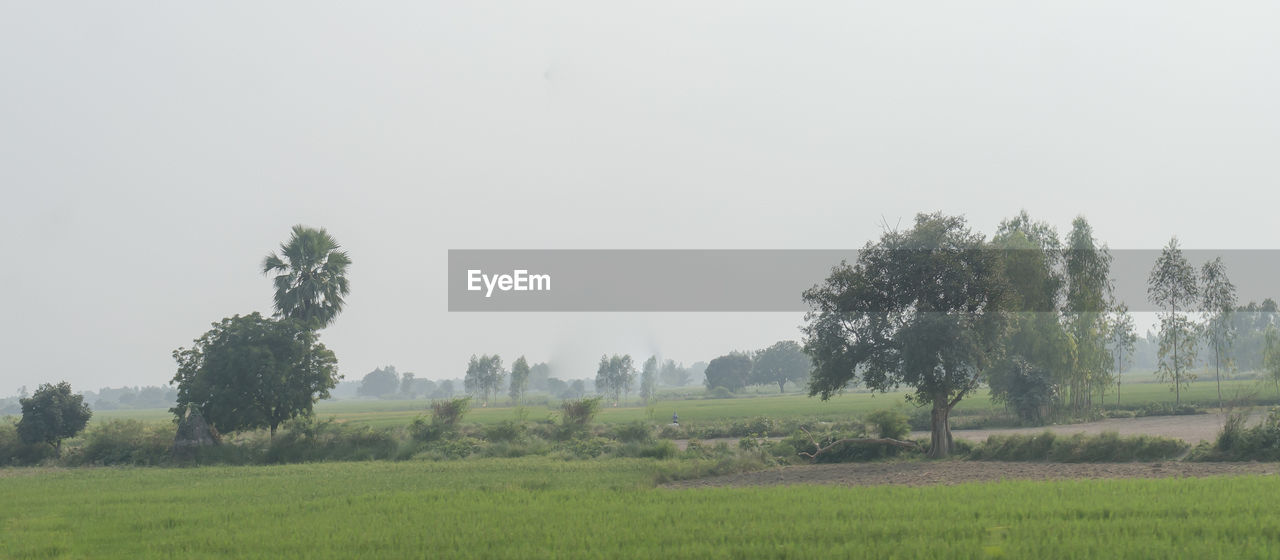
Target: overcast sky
(152,153)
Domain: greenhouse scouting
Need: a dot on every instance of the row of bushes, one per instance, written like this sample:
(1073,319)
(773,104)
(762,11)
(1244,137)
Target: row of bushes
(1107,447)
(1238,442)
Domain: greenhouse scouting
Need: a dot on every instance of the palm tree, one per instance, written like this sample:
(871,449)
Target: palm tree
(311,277)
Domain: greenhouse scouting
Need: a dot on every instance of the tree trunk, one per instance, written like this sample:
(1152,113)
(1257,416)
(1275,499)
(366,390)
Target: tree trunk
(782,386)
(273,429)
(940,442)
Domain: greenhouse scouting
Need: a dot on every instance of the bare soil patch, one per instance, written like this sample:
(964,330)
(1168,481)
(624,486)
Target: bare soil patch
(926,473)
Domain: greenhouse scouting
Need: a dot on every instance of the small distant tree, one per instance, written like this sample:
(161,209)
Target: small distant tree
(1218,299)
(674,375)
(1172,286)
(578,388)
(649,378)
(484,376)
(731,371)
(538,376)
(380,382)
(615,376)
(406,385)
(519,379)
(52,414)
(1122,338)
(784,361)
(1271,355)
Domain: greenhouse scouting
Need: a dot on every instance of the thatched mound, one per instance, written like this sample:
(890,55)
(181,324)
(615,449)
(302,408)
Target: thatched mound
(193,433)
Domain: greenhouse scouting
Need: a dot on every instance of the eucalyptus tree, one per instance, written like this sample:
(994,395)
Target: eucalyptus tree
(1039,355)
(1088,275)
(310,277)
(922,308)
(1218,300)
(1172,287)
(615,376)
(519,379)
(484,376)
(1122,336)
(649,378)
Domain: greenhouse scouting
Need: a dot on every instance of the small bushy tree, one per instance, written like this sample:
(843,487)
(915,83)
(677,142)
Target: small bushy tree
(51,414)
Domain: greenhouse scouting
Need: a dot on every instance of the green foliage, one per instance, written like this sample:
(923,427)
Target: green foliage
(445,415)
(649,379)
(889,423)
(308,440)
(519,379)
(1107,447)
(1238,442)
(505,431)
(731,371)
(615,375)
(252,372)
(922,308)
(310,277)
(576,415)
(15,452)
(380,382)
(484,376)
(634,432)
(784,361)
(1172,286)
(125,442)
(720,393)
(51,414)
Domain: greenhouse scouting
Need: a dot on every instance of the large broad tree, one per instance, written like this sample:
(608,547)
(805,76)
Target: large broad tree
(1218,300)
(731,371)
(252,372)
(310,277)
(922,308)
(781,362)
(381,382)
(1088,275)
(52,414)
(1172,287)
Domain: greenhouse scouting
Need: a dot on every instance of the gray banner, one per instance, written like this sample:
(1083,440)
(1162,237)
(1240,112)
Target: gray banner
(741,280)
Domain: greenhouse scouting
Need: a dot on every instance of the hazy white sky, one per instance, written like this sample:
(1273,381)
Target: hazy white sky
(151,153)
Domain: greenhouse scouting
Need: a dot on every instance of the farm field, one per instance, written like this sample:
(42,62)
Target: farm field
(391,413)
(508,508)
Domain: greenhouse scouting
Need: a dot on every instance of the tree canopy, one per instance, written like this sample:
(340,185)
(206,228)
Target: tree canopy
(252,371)
(310,277)
(782,362)
(51,414)
(921,308)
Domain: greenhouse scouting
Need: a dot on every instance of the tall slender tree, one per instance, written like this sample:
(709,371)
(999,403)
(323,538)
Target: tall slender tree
(649,378)
(1172,287)
(310,277)
(519,379)
(1088,267)
(1218,299)
(1122,337)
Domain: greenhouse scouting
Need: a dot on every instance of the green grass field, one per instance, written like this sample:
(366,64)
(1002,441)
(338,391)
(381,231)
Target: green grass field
(389,413)
(538,507)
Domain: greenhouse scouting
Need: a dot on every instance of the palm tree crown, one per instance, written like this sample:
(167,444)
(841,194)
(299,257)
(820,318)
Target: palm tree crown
(311,277)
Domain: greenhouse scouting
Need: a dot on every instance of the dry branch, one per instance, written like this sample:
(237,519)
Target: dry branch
(883,441)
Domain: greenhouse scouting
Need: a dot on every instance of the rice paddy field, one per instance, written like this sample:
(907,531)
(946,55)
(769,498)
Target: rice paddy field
(540,507)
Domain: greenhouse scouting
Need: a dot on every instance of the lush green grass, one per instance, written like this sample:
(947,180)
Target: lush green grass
(546,508)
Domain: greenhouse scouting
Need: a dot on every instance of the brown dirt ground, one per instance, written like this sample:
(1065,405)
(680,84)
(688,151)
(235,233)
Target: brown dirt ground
(1192,429)
(925,473)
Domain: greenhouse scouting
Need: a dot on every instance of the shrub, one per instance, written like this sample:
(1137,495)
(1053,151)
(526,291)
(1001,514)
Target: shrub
(307,440)
(1107,447)
(1236,442)
(633,432)
(663,449)
(719,393)
(889,423)
(576,416)
(445,415)
(506,430)
(1167,409)
(125,442)
(15,452)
